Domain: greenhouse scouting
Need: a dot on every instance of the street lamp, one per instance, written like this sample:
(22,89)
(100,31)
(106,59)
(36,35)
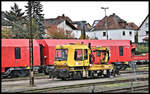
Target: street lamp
(106,20)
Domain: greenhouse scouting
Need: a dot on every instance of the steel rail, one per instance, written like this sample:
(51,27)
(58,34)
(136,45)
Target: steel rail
(80,85)
(128,89)
(46,76)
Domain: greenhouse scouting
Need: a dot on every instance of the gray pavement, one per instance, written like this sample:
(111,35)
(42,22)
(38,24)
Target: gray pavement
(18,86)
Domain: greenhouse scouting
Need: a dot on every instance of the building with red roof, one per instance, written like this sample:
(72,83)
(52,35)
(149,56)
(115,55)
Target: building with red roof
(59,24)
(117,29)
(143,31)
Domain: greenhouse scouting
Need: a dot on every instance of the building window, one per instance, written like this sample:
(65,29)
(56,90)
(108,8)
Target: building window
(147,24)
(104,33)
(121,50)
(146,32)
(123,33)
(17,53)
(130,33)
(67,32)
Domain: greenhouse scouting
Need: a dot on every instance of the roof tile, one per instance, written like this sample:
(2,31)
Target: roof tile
(114,22)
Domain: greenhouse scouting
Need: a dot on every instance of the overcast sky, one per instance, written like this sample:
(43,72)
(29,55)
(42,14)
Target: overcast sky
(89,11)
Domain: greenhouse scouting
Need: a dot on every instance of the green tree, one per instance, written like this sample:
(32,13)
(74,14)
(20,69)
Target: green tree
(14,14)
(16,18)
(6,33)
(38,18)
(136,37)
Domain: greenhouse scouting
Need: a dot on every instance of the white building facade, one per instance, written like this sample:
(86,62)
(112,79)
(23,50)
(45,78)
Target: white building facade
(76,33)
(64,26)
(114,34)
(143,30)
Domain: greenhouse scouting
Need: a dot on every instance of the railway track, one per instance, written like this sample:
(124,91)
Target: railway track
(39,76)
(127,90)
(137,72)
(46,76)
(143,65)
(53,89)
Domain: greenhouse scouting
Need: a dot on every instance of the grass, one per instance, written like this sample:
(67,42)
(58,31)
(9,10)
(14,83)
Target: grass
(122,84)
(144,68)
(125,85)
(142,48)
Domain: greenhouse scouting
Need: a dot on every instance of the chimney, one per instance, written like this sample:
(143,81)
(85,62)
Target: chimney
(59,17)
(63,15)
(114,14)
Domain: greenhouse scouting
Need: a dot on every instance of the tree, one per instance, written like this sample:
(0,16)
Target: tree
(6,33)
(14,14)
(38,18)
(136,37)
(16,18)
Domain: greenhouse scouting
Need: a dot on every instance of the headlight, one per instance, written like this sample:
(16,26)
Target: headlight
(71,68)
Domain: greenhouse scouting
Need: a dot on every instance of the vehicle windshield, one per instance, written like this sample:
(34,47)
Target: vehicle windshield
(61,54)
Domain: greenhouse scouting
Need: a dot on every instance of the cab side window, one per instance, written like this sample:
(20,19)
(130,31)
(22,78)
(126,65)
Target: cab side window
(17,53)
(121,50)
(78,55)
(85,54)
(98,53)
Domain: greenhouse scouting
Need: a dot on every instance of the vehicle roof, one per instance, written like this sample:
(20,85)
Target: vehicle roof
(54,42)
(17,42)
(72,46)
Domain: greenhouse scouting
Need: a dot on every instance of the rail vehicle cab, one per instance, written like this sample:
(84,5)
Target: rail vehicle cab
(76,61)
(100,54)
(71,56)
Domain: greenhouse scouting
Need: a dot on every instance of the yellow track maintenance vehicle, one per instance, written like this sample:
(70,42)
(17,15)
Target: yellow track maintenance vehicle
(74,61)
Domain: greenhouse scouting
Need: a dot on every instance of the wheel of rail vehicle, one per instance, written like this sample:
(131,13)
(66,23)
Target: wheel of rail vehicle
(79,75)
(65,78)
(91,74)
(100,73)
(45,72)
(108,74)
(113,73)
(74,76)
(123,67)
(13,74)
(23,73)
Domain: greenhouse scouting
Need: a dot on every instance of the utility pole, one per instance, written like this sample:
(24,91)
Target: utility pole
(31,46)
(83,32)
(106,25)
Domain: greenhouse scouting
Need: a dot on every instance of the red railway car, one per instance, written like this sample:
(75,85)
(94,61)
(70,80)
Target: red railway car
(140,59)
(15,56)
(48,52)
(120,50)
(15,53)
